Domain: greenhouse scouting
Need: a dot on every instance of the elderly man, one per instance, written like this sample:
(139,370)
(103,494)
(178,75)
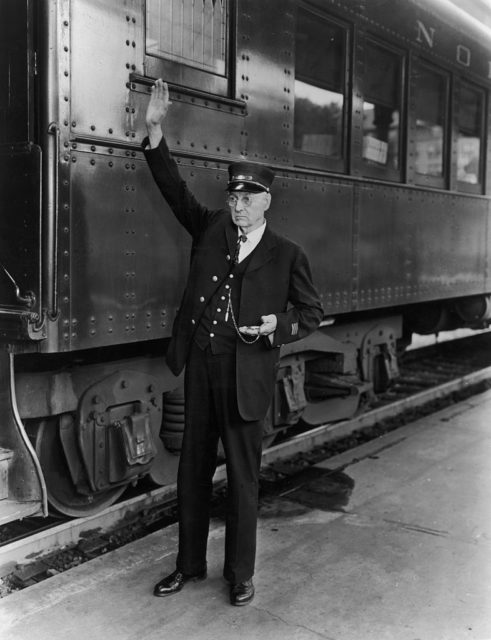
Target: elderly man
(249,291)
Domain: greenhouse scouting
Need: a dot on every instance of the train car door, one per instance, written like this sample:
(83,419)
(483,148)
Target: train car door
(20,169)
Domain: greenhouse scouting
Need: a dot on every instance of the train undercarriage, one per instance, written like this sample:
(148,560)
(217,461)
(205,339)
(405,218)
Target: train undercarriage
(92,428)
(85,429)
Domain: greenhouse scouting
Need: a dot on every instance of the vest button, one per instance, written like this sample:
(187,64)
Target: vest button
(202,299)
(214,278)
(212,335)
(231,275)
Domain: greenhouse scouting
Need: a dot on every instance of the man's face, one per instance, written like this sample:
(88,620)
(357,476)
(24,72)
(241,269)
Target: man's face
(248,209)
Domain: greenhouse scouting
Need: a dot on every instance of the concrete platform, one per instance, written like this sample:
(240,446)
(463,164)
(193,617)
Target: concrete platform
(407,558)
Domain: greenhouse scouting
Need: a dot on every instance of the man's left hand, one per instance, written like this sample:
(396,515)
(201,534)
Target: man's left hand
(268,325)
(266,328)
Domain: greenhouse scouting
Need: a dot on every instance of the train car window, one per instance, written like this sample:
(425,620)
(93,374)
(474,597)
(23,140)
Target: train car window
(430,96)
(382,88)
(320,102)
(187,42)
(470,134)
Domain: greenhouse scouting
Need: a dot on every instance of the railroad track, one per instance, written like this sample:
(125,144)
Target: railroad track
(430,377)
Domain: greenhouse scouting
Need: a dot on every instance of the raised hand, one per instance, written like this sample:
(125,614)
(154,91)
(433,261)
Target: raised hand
(157,108)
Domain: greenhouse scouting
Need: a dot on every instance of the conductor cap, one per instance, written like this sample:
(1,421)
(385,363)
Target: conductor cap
(248,176)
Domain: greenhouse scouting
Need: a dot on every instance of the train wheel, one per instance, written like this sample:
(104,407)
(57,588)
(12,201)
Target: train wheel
(62,493)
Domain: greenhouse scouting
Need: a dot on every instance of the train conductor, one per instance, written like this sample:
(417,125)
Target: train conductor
(249,291)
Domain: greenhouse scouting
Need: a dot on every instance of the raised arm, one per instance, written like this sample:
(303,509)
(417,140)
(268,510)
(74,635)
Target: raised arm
(190,213)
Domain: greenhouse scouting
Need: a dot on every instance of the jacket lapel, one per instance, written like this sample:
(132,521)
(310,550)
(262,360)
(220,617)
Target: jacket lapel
(263,253)
(232,236)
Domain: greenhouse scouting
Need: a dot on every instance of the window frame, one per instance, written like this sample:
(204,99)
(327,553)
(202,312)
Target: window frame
(317,161)
(180,74)
(372,170)
(460,185)
(421,179)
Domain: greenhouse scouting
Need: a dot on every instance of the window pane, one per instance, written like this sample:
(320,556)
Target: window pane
(430,110)
(194,33)
(469,135)
(381,108)
(319,78)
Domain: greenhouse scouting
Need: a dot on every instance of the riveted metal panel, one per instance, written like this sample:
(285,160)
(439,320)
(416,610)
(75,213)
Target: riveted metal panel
(127,262)
(317,213)
(415,246)
(106,45)
(107,58)
(265,78)
(129,257)
(195,124)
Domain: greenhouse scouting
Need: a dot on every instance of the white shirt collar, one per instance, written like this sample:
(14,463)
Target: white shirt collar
(256,235)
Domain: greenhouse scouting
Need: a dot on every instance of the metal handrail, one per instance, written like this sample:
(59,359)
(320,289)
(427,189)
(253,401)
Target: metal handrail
(29,299)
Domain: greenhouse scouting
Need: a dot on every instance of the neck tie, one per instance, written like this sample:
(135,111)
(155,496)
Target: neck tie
(242,238)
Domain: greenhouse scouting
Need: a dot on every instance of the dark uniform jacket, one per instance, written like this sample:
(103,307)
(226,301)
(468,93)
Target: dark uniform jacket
(277,281)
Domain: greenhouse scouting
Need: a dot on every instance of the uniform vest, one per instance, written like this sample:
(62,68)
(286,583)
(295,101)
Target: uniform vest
(216,328)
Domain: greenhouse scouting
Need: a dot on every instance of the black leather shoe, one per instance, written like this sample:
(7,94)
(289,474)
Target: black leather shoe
(175,582)
(241,593)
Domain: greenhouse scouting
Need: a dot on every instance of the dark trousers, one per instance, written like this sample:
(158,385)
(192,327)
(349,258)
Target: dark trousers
(211,413)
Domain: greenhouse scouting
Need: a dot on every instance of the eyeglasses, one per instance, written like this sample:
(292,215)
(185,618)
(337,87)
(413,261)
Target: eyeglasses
(247,200)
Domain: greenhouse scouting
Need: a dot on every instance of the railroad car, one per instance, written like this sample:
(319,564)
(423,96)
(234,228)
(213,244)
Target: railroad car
(374,115)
